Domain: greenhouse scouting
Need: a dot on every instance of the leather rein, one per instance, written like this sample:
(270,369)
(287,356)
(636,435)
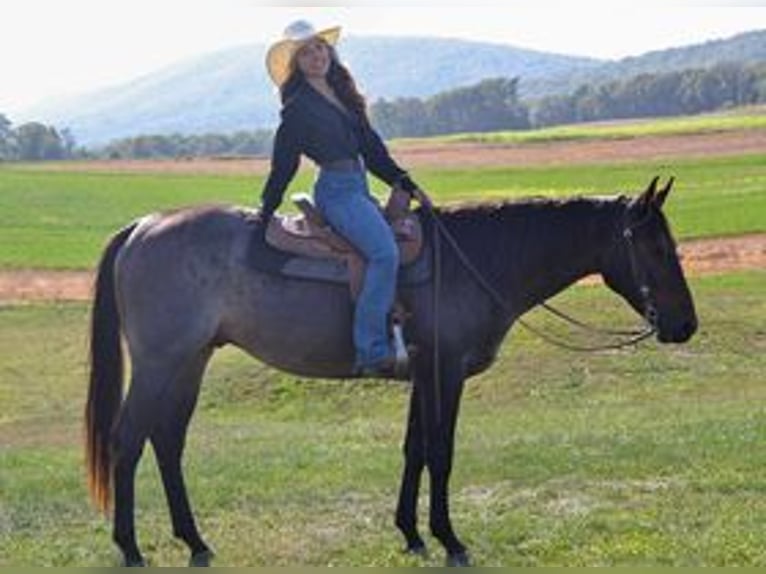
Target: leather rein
(639,275)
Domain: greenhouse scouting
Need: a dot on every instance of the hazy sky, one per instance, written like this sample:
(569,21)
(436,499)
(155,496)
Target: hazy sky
(49,48)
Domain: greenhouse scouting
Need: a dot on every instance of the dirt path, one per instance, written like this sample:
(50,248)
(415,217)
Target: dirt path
(700,257)
(467,155)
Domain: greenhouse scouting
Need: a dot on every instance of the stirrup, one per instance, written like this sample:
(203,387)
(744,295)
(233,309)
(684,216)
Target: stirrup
(401,353)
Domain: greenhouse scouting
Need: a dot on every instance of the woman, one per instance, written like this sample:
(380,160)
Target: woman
(325,118)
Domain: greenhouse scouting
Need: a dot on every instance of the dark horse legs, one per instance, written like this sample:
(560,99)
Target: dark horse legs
(168,439)
(163,416)
(430,442)
(128,446)
(414,461)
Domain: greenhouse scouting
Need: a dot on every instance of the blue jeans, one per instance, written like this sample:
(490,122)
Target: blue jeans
(345,201)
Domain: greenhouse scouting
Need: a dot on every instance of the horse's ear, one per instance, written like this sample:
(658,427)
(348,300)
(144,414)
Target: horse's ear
(662,195)
(646,198)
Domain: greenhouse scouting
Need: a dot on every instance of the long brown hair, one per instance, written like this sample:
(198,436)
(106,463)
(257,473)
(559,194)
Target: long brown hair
(340,79)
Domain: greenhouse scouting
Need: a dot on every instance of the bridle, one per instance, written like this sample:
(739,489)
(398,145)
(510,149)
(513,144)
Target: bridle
(640,276)
(626,233)
(633,337)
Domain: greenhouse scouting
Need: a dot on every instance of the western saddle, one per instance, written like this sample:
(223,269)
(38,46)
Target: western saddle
(308,235)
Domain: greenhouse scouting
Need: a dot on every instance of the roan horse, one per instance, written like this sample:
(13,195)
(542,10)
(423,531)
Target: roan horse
(180,284)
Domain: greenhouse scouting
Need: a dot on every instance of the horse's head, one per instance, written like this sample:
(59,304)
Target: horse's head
(644,267)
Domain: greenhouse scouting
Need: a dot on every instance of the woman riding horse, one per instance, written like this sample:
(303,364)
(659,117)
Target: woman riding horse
(180,284)
(325,118)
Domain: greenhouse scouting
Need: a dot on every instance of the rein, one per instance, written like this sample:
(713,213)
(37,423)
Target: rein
(634,336)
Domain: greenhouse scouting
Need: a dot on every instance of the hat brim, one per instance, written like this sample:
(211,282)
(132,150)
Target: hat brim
(280,54)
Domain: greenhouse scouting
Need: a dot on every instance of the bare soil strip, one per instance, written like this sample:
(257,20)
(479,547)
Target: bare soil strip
(661,148)
(716,255)
(700,257)
(471,155)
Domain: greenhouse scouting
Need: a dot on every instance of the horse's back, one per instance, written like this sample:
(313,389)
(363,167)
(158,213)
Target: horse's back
(187,279)
(174,273)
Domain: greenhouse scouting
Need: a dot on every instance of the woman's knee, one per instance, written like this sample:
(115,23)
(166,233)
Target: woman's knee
(386,254)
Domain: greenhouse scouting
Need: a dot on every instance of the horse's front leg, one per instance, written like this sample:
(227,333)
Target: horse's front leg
(440,405)
(414,462)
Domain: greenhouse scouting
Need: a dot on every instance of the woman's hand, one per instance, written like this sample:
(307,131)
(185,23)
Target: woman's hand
(398,204)
(422,197)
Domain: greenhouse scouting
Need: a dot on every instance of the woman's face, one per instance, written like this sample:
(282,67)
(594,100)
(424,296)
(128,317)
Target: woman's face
(313,59)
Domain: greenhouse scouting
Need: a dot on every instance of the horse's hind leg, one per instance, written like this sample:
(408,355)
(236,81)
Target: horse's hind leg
(152,386)
(136,418)
(129,449)
(168,439)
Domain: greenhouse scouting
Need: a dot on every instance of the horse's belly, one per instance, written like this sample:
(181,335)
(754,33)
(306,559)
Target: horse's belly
(296,326)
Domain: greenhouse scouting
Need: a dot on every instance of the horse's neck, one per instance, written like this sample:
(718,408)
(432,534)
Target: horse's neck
(559,244)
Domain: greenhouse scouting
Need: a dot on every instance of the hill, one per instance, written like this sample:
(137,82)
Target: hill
(228,90)
(746,48)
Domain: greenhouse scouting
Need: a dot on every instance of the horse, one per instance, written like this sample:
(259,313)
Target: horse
(178,285)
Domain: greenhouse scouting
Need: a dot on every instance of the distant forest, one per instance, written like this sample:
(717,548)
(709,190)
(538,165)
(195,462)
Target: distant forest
(493,105)
(490,105)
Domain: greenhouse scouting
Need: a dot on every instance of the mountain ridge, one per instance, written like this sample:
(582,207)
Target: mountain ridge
(228,90)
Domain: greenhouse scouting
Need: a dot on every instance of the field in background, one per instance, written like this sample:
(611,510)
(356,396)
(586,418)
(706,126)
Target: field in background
(51,219)
(742,119)
(645,457)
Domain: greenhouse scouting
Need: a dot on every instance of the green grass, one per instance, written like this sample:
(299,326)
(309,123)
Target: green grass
(54,219)
(745,119)
(645,457)
(712,197)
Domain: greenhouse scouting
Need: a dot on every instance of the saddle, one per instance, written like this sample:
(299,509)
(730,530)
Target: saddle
(308,236)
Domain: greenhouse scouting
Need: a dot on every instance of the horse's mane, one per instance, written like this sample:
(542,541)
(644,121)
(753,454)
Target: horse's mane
(515,230)
(482,209)
(567,211)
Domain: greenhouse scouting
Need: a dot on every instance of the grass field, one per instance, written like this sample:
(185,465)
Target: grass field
(742,119)
(643,457)
(646,457)
(61,220)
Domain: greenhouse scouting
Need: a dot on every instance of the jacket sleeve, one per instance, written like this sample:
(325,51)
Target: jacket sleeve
(378,160)
(285,159)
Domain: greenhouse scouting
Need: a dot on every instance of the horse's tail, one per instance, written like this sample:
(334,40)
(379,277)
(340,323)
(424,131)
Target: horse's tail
(106,374)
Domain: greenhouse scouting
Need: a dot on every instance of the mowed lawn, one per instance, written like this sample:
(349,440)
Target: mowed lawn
(54,219)
(652,456)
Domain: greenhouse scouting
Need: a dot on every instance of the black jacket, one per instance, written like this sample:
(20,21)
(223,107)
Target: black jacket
(313,125)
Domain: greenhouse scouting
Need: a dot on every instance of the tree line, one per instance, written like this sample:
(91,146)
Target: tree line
(242,143)
(33,141)
(490,105)
(494,105)
(652,95)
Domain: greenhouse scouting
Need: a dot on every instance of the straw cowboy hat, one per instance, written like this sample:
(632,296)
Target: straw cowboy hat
(295,36)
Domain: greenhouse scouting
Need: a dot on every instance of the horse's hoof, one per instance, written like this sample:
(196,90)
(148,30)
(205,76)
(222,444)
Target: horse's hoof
(202,559)
(459,560)
(134,563)
(417,550)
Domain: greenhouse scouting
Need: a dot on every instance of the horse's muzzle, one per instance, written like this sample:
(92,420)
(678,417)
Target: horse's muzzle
(679,334)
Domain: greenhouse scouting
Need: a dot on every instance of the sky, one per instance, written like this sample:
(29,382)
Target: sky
(53,48)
